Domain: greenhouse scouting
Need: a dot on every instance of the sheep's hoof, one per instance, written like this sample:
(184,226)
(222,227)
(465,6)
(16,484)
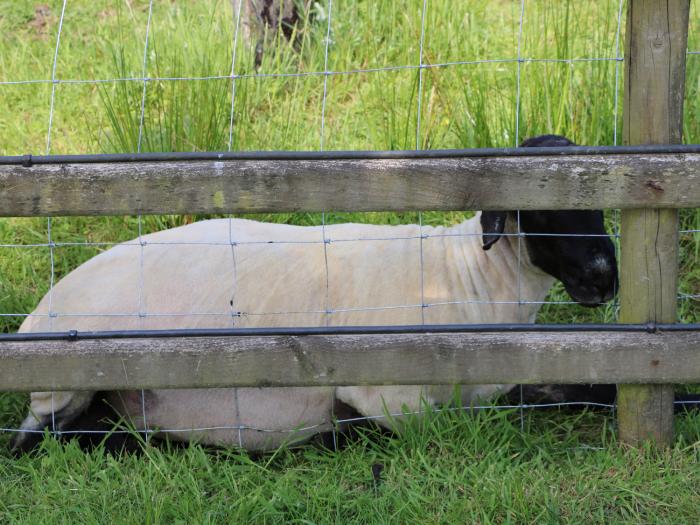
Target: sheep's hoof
(91,427)
(29,437)
(37,424)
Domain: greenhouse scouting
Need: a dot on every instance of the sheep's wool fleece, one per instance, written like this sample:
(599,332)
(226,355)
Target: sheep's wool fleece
(228,273)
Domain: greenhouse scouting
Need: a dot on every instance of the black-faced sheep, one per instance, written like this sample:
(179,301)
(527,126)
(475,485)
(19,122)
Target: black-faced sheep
(474,272)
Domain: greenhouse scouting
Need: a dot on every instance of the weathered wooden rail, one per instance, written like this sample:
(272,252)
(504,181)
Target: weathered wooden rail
(648,186)
(588,181)
(352,359)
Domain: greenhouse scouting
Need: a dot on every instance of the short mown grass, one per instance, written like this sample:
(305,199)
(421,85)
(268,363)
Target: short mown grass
(451,467)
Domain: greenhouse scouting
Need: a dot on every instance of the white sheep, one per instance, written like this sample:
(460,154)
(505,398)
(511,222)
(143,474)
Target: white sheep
(241,273)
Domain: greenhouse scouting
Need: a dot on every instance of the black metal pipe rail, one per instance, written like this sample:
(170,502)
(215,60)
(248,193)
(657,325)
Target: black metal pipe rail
(30,160)
(75,335)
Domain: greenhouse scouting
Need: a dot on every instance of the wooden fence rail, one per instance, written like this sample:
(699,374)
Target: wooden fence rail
(640,180)
(356,359)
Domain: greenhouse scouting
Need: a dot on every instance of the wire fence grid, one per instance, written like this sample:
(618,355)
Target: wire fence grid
(327,237)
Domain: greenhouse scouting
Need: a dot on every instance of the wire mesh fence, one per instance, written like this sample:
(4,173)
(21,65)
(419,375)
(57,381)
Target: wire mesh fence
(325,237)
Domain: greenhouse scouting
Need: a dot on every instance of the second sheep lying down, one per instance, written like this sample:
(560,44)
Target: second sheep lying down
(275,275)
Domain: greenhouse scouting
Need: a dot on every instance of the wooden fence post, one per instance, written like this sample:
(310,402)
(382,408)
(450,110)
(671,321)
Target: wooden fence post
(655,53)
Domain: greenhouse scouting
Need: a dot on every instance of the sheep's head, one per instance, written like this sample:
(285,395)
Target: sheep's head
(572,246)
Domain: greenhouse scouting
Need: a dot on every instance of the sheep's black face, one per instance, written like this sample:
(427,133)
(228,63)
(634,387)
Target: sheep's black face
(573,246)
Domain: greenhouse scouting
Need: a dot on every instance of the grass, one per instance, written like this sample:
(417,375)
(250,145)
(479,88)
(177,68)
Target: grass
(452,467)
(448,467)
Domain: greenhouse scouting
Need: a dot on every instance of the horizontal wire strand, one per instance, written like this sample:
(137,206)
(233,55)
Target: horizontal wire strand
(313,73)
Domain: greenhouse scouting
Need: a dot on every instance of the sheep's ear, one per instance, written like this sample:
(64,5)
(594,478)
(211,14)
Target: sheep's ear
(492,225)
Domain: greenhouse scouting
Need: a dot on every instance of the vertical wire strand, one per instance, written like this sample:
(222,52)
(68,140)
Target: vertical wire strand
(616,213)
(234,315)
(325,74)
(327,315)
(420,74)
(233,73)
(142,278)
(618,58)
(144,70)
(52,277)
(53,415)
(520,303)
(239,425)
(234,265)
(517,82)
(48,152)
(142,312)
(517,141)
(51,313)
(54,82)
(418,146)
(423,304)
(326,241)
(616,217)
(519,276)
(232,242)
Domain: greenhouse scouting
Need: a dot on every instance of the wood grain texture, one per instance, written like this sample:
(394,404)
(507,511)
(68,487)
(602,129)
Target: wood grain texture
(657,34)
(433,358)
(496,183)
(655,54)
(649,258)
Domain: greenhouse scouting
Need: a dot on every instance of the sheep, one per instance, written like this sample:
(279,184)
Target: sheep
(261,20)
(242,273)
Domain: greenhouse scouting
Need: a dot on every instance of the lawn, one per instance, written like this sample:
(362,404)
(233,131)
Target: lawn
(448,467)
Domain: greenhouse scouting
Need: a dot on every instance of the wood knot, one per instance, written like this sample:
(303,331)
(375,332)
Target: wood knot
(654,185)
(654,362)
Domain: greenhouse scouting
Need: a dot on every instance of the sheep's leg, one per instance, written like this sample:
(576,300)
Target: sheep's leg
(52,410)
(553,394)
(379,401)
(588,395)
(398,400)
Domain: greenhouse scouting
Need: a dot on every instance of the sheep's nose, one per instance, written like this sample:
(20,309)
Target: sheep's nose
(608,292)
(600,265)
(606,282)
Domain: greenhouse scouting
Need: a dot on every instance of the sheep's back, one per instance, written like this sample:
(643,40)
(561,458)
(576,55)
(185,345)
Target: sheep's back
(222,273)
